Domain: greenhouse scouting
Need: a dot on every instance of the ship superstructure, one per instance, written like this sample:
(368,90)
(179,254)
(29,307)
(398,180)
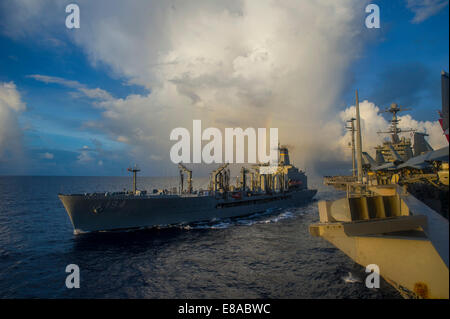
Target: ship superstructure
(261,178)
(395,157)
(400,147)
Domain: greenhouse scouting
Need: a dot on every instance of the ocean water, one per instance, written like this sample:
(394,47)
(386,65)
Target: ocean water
(267,255)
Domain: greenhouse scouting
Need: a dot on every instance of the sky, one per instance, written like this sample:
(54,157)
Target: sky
(95,100)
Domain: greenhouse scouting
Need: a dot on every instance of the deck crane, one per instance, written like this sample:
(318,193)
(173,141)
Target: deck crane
(183,170)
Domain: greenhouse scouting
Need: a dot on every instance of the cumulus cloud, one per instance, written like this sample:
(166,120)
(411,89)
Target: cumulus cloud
(85,157)
(11,105)
(95,154)
(423,9)
(228,63)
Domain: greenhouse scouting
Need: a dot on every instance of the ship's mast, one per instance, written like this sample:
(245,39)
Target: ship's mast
(351,127)
(134,170)
(394,130)
(220,178)
(244,172)
(181,181)
(358,140)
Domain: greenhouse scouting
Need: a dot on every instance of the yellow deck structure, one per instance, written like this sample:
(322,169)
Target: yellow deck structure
(386,226)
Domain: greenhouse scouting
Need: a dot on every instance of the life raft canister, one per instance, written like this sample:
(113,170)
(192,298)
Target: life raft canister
(236,195)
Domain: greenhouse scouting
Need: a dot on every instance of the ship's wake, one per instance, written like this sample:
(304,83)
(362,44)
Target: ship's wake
(272,215)
(351,279)
(267,217)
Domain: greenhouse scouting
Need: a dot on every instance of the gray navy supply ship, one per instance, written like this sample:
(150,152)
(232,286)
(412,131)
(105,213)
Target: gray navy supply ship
(284,186)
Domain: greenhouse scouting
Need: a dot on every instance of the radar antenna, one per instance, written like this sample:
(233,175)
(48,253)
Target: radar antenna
(134,170)
(394,130)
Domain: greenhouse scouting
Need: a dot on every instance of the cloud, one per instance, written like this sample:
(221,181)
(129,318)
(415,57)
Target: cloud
(47,155)
(82,90)
(238,63)
(156,157)
(423,9)
(54,79)
(230,64)
(22,18)
(97,154)
(11,139)
(85,157)
(97,94)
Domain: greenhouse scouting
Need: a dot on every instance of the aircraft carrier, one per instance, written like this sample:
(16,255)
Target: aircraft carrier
(285,186)
(395,212)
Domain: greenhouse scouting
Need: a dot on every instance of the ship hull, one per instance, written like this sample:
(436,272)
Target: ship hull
(98,213)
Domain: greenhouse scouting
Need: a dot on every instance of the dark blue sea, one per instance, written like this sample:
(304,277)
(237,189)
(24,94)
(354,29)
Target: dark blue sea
(268,255)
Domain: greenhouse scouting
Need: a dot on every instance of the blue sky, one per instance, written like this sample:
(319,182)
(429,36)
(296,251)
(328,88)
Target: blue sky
(406,52)
(54,120)
(400,62)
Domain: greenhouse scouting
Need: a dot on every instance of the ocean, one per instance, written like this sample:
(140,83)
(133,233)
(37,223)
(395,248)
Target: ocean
(267,255)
